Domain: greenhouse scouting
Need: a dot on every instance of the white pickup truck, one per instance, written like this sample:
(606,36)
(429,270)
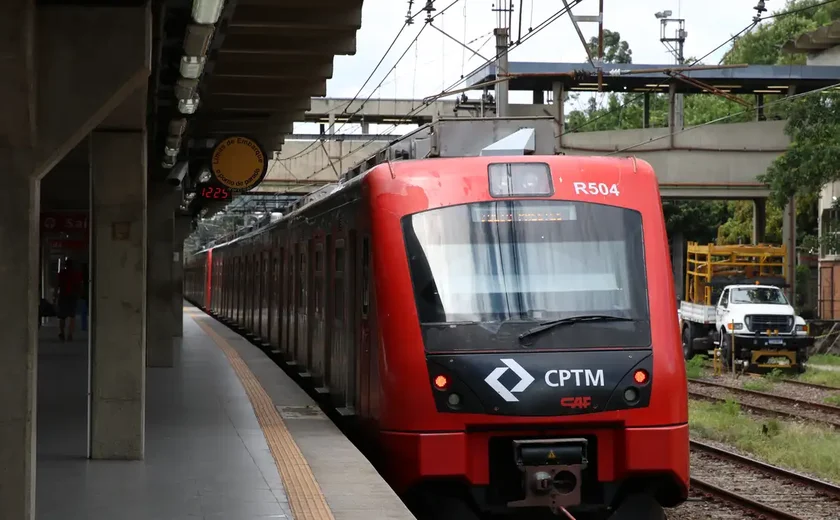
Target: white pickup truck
(758,316)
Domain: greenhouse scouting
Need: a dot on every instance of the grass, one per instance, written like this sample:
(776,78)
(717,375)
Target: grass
(824,359)
(833,399)
(821,377)
(802,447)
(694,367)
(759,384)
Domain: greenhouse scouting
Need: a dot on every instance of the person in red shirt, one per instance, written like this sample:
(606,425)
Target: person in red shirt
(69,291)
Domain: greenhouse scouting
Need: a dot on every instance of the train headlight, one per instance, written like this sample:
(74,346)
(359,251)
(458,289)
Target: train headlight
(519,179)
(441,382)
(631,395)
(454,400)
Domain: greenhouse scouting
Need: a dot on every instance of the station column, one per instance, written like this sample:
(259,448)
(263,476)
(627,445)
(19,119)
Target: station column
(160,327)
(118,313)
(182,231)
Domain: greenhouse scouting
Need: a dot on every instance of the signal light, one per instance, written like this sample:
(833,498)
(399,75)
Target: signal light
(640,377)
(441,382)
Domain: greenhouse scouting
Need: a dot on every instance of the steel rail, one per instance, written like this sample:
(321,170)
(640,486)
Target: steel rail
(827,487)
(766,411)
(789,400)
(735,498)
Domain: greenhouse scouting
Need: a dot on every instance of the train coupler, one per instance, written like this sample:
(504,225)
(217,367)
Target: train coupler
(552,471)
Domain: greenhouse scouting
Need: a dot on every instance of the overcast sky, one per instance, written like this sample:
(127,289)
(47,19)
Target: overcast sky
(437,62)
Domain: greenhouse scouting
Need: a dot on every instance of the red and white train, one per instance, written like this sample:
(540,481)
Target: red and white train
(504,326)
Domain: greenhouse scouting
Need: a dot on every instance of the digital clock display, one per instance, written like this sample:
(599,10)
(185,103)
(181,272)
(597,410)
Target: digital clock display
(214,193)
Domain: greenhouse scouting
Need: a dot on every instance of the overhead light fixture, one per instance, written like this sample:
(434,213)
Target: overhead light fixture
(207,11)
(168,162)
(779,86)
(188,106)
(197,39)
(173,142)
(192,66)
(727,86)
(171,152)
(185,88)
(177,126)
(663,14)
(767,91)
(190,196)
(205,175)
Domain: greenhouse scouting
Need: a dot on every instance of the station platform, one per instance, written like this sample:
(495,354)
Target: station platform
(228,436)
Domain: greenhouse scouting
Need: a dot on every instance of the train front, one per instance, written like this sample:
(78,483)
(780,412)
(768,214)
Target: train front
(533,351)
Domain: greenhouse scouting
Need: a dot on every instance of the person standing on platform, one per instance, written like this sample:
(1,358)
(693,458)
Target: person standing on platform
(69,290)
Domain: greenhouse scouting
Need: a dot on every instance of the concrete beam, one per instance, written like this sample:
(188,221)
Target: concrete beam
(17,75)
(90,60)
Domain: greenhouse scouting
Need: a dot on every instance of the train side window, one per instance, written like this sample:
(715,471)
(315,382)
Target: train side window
(365,276)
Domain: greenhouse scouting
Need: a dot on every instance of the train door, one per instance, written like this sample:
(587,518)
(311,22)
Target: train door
(265,323)
(364,332)
(289,308)
(342,359)
(277,298)
(302,321)
(317,353)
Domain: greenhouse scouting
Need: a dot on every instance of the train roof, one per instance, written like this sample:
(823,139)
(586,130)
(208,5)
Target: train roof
(329,191)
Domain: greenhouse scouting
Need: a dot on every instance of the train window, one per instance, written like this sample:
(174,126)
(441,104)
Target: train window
(319,259)
(339,259)
(508,263)
(365,276)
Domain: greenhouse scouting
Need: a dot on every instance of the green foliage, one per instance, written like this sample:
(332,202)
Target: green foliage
(757,384)
(832,400)
(694,367)
(616,50)
(813,125)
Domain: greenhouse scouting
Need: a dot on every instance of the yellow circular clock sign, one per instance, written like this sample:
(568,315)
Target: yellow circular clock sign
(239,163)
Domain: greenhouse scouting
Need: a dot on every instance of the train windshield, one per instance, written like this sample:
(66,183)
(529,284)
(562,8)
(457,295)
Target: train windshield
(505,266)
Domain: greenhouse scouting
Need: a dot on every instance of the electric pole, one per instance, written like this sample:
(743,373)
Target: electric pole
(502,32)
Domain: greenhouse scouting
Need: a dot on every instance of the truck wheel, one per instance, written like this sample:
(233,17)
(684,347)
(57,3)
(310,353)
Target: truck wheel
(687,342)
(726,349)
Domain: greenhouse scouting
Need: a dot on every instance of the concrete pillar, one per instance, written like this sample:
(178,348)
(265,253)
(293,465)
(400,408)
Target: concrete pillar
(559,94)
(646,111)
(759,220)
(118,310)
(365,128)
(182,231)
(538,97)
(160,325)
(789,240)
(19,211)
(675,111)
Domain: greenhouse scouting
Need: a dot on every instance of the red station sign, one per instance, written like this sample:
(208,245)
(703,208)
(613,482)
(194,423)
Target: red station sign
(64,222)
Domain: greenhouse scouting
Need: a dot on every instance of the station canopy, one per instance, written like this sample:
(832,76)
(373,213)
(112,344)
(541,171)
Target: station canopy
(627,77)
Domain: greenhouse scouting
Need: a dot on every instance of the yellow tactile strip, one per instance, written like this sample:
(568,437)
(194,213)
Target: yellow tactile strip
(305,496)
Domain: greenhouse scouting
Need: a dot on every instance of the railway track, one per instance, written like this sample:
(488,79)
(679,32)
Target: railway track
(766,403)
(811,385)
(760,487)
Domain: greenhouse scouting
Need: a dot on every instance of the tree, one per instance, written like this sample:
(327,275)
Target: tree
(616,50)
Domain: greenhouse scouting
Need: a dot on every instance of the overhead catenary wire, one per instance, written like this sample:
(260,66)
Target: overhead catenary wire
(407,22)
(406,118)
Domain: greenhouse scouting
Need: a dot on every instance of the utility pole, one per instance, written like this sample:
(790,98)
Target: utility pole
(502,32)
(675,44)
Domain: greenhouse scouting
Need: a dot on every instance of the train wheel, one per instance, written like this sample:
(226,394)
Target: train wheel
(687,342)
(639,507)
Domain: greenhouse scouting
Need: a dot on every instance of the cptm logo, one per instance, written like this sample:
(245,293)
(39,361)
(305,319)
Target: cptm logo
(525,380)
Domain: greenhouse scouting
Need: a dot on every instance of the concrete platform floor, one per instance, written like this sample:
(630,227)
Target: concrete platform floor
(206,457)
(206,453)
